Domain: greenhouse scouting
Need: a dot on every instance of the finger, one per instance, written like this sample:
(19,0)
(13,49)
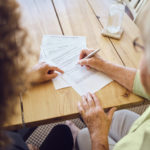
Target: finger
(88,67)
(56,69)
(83,54)
(111,112)
(90,100)
(96,100)
(84,103)
(51,76)
(83,62)
(81,110)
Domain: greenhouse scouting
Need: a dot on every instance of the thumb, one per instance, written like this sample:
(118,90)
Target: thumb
(51,76)
(83,62)
(111,112)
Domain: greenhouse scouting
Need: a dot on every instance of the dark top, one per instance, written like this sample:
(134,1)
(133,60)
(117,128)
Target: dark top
(18,143)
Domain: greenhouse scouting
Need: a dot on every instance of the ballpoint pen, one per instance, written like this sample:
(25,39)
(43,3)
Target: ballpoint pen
(92,54)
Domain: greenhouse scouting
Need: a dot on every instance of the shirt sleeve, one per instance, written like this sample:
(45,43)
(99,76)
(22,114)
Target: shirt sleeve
(138,140)
(138,88)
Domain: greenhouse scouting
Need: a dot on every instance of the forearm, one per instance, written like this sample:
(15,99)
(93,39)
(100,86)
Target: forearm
(100,146)
(99,143)
(123,75)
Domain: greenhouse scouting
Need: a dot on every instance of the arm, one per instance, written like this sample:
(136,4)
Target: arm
(99,144)
(97,121)
(123,75)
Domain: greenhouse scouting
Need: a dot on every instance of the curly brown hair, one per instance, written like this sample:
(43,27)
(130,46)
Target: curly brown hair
(13,49)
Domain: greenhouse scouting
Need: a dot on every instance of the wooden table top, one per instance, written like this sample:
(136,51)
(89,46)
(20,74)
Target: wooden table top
(42,103)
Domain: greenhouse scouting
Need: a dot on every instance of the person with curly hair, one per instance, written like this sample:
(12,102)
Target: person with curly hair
(122,130)
(15,76)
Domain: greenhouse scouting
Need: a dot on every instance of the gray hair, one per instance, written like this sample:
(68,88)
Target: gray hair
(144,25)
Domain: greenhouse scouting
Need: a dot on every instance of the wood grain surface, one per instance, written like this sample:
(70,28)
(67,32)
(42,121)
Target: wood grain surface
(42,103)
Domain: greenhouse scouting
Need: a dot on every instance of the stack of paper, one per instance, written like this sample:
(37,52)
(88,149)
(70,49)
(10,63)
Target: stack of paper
(63,52)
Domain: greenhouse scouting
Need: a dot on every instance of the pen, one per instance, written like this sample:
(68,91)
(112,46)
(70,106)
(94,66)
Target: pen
(92,54)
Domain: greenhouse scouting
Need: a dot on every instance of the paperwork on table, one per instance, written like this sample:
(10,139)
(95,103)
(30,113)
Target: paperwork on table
(63,52)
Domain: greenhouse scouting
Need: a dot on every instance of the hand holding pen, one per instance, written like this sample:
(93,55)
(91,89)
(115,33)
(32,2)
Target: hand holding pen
(89,59)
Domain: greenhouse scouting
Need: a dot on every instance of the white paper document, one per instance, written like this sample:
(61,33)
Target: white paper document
(63,52)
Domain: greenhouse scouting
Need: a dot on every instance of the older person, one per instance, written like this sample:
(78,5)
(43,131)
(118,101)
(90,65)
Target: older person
(124,130)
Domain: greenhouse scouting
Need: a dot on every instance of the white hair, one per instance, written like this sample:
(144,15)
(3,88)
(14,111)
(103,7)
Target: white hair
(144,25)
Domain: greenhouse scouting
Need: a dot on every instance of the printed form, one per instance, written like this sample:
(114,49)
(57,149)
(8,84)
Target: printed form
(63,52)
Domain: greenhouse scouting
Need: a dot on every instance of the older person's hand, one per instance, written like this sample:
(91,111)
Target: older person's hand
(94,62)
(123,75)
(97,121)
(43,72)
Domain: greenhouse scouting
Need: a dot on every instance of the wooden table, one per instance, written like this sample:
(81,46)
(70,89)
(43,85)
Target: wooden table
(42,103)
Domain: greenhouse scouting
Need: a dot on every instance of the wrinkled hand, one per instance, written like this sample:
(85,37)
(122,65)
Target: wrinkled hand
(43,72)
(97,121)
(32,147)
(95,62)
